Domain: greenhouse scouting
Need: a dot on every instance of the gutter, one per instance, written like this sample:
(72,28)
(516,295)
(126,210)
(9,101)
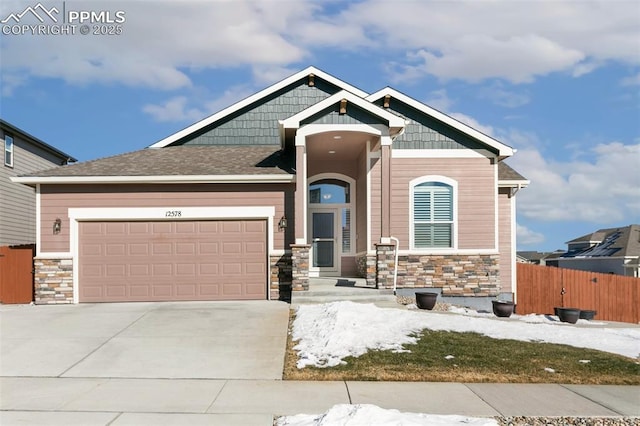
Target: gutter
(34,180)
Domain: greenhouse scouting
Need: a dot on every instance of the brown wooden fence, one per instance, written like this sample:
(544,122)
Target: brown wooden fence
(540,289)
(16,274)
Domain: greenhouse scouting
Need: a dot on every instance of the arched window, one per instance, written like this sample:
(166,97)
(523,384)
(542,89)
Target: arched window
(432,213)
(329,191)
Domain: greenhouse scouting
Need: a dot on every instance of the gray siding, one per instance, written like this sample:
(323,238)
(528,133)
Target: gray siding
(354,115)
(18,202)
(424,132)
(258,124)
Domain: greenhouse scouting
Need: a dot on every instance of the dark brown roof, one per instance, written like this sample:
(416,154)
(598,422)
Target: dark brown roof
(195,160)
(505,172)
(182,161)
(622,241)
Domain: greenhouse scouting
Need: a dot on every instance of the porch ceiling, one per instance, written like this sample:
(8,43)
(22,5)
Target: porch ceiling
(338,145)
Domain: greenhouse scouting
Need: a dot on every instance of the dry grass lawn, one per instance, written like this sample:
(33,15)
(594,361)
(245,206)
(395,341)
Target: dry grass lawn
(476,359)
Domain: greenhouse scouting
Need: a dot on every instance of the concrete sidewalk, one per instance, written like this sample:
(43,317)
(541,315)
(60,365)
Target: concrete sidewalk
(219,363)
(102,401)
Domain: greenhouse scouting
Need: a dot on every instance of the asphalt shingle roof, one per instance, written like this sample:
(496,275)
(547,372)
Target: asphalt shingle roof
(623,241)
(197,160)
(183,161)
(505,172)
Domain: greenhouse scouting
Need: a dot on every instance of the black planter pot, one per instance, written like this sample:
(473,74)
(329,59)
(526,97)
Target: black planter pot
(426,300)
(587,315)
(570,315)
(502,308)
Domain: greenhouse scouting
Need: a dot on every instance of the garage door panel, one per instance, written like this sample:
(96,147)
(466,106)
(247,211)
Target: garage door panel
(115,290)
(162,270)
(138,249)
(116,228)
(139,291)
(191,260)
(185,269)
(188,249)
(160,227)
(231,248)
(208,248)
(116,271)
(160,248)
(254,268)
(139,271)
(139,228)
(231,227)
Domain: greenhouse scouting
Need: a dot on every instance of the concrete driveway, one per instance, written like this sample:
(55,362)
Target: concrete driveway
(182,340)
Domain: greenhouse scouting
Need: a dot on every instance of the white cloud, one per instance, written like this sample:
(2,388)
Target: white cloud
(497,94)
(182,108)
(472,122)
(603,190)
(633,80)
(160,42)
(526,236)
(174,109)
(475,58)
(163,41)
(515,41)
(439,99)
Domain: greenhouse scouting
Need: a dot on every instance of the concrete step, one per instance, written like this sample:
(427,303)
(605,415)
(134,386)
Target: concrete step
(300,297)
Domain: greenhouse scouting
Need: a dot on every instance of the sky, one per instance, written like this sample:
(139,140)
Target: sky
(559,81)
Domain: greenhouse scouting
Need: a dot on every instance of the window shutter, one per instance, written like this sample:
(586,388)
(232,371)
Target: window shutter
(432,215)
(422,206)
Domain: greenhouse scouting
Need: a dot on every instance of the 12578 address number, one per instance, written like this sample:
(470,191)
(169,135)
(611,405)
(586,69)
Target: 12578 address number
(173,213)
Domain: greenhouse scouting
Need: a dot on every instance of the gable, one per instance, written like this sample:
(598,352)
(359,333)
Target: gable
(447,129)
(314,78)
(354,115)
(425,132)
(257,124)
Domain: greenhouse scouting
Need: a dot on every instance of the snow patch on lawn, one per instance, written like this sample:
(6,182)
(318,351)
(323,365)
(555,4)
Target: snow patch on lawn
(328,333)
(366,414)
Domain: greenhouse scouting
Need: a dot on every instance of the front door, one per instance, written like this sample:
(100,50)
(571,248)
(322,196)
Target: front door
(324,241)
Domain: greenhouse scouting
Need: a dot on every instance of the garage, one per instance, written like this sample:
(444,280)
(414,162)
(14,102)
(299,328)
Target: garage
(127,261)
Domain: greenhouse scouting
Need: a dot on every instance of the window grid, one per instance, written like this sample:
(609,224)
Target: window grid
(433,215)
(8,150)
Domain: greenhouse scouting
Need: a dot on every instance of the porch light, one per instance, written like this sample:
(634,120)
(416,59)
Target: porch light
(343,106)
(57,225)
(282,224)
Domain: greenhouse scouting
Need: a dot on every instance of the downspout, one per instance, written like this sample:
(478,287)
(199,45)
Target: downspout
(395,265)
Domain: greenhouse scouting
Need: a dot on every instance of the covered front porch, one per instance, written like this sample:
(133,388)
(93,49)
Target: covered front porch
(343,184)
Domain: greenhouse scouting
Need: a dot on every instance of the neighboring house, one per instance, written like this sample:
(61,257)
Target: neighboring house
(538,257)
(609,251)
(22,153)
(309,177)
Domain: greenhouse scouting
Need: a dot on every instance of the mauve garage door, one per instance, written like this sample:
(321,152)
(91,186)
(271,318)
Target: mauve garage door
(182,260)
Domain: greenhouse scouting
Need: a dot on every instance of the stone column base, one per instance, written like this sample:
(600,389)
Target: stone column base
(53,281)
(300,267)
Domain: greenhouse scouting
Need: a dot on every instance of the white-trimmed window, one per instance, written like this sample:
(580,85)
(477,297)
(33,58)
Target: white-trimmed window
(8,150)
(433,213)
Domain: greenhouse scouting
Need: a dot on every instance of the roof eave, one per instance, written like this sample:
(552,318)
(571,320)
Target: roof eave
(254,98)
(396,123)
(38,142)
(503,151)
(513,183)
(170,179)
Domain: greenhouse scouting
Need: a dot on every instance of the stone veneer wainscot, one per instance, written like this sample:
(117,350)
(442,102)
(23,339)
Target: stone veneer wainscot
(53,281)
(456,275)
